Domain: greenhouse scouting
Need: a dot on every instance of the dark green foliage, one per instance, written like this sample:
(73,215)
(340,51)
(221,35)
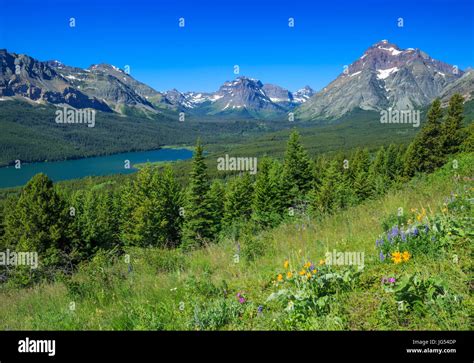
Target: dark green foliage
(267,204)
(38,222)
(154,201)
(452,134)
(360,174)
(328,196)
(238,201)
(198,226)
(378,173)
(425,153)
(95,222)
(216,205)
(297,167)
(468,143)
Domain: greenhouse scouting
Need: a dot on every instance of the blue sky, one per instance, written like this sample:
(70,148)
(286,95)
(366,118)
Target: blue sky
(220,34)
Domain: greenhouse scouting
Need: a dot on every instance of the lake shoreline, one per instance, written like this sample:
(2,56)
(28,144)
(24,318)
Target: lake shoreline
(119,163)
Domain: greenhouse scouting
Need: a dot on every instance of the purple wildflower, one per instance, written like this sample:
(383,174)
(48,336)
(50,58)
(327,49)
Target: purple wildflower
(415,231)
(260,309)
(392,280)
(404,236)
(240,297)
(395,231)
(427,229)
(382,256)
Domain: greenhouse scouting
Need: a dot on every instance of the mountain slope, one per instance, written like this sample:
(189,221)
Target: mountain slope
(384,76)
(102,87)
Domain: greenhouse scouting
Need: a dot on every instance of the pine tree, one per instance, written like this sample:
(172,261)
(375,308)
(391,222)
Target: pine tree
(378,173)
(328,198)
(238,201)
(39,223)
(425,152)
(452,135)
(297,168)
(171,200)
(216,202)
(197,228)
(143,225)
(266,203)
(468,143)
(394,164)
(360,174)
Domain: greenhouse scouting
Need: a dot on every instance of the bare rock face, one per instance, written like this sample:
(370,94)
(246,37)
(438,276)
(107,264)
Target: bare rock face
(463,85)
(384,76)
(102,87)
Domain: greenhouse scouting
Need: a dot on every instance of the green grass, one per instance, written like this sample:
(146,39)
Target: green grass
(175,290)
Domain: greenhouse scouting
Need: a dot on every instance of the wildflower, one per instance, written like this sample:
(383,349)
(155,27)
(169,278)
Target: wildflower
(382,256)
(280,277)
(307,265)
(396,257)
(291,305)
(427,229)
(240,297)
(289,275)
(302,272)
(377,243)
(413,210)
(415,231)
(308,275)
(312,267)
(322,262)
(406,256)
(391,280)
(410,221)
(286,264)
(395,231)
(384,280)
(260,309)
(404,236)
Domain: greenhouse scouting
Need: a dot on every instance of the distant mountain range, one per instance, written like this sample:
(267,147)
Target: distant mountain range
(384,76)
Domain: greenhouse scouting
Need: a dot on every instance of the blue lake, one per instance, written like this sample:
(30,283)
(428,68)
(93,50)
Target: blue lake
(94,166)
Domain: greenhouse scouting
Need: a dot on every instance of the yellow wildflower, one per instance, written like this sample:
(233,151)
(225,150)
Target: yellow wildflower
(280,277)
(286,264)
(396,257)
(410,221)
(322,262)
(307,265)
(302,272)
(406,256)
(289,275)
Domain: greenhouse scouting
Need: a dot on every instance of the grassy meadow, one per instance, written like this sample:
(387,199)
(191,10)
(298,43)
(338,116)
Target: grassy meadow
(278,279)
